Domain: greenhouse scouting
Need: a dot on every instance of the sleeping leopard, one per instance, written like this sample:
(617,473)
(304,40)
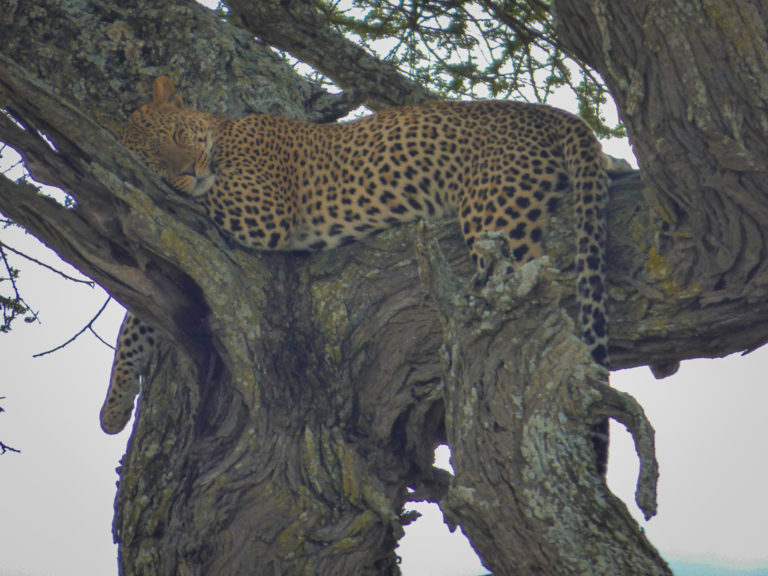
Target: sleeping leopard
(273,183)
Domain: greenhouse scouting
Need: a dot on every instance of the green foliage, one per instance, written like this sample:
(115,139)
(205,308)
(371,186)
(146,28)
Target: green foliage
(473,49)
(591,95)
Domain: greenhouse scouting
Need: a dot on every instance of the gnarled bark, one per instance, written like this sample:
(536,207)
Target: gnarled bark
(689,79)
(521,396)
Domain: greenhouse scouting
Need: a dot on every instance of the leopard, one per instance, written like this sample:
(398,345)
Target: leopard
(279,184)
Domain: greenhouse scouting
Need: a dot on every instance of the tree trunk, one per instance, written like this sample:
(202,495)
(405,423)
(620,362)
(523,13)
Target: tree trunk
(298,465)
(296,397)
(689,79)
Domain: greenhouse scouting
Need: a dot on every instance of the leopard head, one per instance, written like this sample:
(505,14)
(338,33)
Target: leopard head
(176,142)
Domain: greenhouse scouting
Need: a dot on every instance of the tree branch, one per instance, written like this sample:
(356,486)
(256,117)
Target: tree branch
(88,326)
(701,138)
(46,266)
(16,305)
(298,28)
(521,391)
(625,409)
(5,448)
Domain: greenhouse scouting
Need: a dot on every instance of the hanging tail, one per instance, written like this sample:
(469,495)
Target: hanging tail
(586,165)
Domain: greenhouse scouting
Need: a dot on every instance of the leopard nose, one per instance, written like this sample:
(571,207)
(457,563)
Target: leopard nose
(188,170)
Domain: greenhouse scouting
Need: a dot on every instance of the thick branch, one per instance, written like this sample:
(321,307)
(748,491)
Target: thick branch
(690,82)
(97,235)
(656,319)
(117,51)
(297,27)
(521,394)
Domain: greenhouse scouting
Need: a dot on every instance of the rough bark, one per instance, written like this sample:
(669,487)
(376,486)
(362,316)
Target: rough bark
(689,79)
(520,398)
(297,397)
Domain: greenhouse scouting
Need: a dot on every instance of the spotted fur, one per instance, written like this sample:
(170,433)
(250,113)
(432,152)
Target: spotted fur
(135,342)
(277,184)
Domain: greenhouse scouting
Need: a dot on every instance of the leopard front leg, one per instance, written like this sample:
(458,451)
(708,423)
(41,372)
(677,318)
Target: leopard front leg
(132,352)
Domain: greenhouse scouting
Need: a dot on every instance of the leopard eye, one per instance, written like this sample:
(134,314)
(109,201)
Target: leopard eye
(178,135)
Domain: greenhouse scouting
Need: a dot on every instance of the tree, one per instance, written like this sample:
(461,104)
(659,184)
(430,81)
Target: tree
(297,397)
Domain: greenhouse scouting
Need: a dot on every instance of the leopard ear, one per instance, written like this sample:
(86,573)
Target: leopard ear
(165,93)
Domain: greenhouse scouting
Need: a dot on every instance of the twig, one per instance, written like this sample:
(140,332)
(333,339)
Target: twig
(88,326)
(90,283)
(5,448)
(99,338)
